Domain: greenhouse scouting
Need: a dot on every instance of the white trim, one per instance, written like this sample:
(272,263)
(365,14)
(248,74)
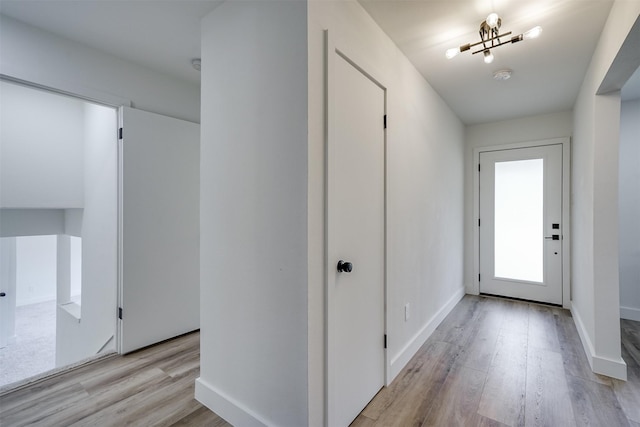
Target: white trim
(399,361)
(68,89)
(566,210)
(615,368)
(120,226)
(227,408)
(630,313)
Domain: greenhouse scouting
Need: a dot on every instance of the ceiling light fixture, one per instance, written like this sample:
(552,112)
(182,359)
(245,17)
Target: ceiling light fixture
(502,75)
(490,38)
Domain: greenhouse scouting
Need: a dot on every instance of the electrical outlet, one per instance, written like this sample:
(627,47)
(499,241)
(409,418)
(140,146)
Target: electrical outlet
(407,312)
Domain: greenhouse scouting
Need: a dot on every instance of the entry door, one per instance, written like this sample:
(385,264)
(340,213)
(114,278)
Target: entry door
(160,176)
(356,236)
(521,223)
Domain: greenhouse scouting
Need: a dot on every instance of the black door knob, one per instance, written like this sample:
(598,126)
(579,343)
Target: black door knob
(2,294)
(344,266)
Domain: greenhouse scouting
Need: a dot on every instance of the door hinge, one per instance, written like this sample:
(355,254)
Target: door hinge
(385,121)
(478,167)
(120,133)
(120,313)
(385,340)
(478,277)
(478,222)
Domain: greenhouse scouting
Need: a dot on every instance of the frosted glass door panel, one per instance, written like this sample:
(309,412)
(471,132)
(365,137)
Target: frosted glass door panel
(519,212)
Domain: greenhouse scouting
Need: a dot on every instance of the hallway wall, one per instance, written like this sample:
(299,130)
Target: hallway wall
(630,210)
(595,285)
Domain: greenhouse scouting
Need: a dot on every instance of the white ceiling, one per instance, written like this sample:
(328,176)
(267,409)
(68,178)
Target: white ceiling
(547,72)
(159,34)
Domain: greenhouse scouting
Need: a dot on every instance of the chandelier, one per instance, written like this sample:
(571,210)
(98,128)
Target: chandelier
(490,38)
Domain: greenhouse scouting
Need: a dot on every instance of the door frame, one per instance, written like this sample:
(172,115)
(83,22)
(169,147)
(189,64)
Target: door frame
(566,209)
(332,49)
(71,89)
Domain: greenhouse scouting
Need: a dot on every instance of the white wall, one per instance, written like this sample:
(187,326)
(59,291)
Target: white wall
(77,340)
(629,196)
(253,213)
(425,149)
(40,149)
(595,290)
(35,269)
(525,129)
(37,56)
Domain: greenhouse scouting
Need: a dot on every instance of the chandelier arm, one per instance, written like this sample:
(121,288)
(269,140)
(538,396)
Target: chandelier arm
(498,45)
(488,40)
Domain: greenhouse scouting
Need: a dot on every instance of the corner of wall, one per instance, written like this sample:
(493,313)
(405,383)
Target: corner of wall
(225,407)
(615,368)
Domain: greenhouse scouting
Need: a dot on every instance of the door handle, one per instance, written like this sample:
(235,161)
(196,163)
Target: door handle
(553,237)
(344,267)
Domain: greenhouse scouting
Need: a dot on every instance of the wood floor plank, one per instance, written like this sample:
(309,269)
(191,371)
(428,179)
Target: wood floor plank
(503,397)
(201,417)
(630,334)
(34,412)
(458,399)
(412,401)
(516,317)
(431,350)
(479,350)
(107,396)
(595,404)
(362,421)
(542,328)
(573,355)
(628,393)
(151,406)
(458,326)
(548,400)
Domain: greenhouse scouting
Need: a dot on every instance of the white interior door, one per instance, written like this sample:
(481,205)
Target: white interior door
(160,289)
(355,235)
(521,223)
(7,291)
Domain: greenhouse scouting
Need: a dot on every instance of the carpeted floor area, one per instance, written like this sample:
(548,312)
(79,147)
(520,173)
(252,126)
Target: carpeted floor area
(34,350)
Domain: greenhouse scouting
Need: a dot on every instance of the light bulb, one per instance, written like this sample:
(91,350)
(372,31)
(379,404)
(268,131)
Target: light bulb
(492,20)
(488,57)
(453,52)
(532,33)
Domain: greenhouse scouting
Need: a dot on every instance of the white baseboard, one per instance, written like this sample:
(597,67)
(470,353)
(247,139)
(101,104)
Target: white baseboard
(231,411)
(408,351)
(615,368)
(630,313)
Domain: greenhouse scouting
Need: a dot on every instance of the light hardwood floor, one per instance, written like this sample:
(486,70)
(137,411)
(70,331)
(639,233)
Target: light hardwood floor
(151,387)
(491,362)
(496,362)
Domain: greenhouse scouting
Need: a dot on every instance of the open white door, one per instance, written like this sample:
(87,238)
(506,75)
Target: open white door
(160,223)
(7,290)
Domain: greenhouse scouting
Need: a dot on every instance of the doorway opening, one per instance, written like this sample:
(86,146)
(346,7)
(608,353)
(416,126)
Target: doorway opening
(58,231)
